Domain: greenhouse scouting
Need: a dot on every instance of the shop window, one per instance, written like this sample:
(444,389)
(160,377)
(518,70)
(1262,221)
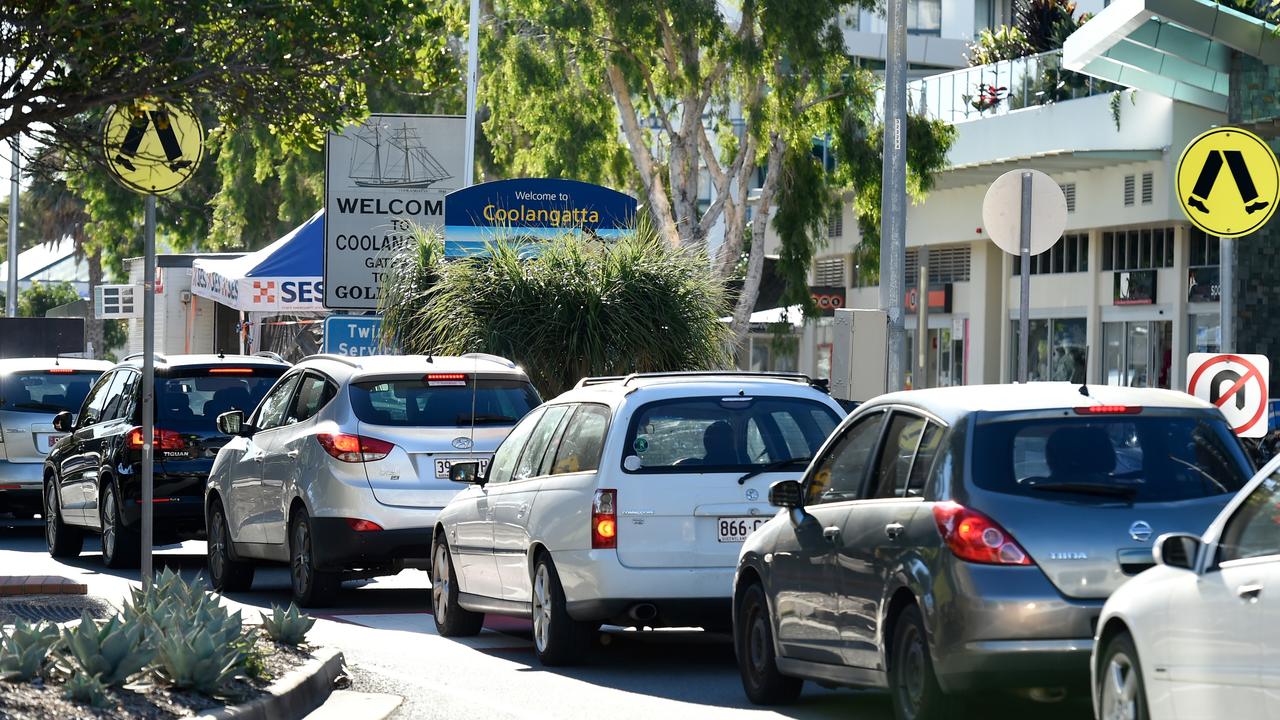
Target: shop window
(1137,354)
(1057,350)
(1068,255)
(1140,249)
(1205,334)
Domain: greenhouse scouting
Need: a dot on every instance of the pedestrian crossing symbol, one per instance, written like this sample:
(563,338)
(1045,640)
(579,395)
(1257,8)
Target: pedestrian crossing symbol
(152,147)
(1228,182)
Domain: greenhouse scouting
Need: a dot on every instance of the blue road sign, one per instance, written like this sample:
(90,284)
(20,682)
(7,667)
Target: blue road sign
(353,334)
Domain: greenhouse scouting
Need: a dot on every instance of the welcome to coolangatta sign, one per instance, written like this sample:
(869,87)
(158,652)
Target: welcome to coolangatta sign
(532,208)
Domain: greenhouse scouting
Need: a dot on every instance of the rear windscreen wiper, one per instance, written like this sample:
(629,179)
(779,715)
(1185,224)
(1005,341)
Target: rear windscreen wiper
(1087,488)
(773,466)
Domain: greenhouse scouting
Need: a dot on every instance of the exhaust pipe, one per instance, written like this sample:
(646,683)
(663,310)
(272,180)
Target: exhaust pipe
(643,612)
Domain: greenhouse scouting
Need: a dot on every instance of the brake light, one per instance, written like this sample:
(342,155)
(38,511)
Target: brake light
(977,538)
(604,520)
(363,525)
(446,378)
(164,439)
(60,371)
(1109,410)
(230,371)
(354,448)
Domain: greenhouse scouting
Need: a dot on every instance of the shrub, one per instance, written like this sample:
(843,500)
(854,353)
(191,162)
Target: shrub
(87,690)
(24,650)
(111,652)
(287,626)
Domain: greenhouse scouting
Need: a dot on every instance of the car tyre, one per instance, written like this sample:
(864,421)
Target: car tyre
(225,572)
(63,540)
(557,638)
(312,587)
(1121,692)
(913,686)
(452,620)
(121,546)
(757,659)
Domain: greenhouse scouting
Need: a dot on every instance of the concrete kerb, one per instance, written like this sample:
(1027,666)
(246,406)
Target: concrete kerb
(293,696)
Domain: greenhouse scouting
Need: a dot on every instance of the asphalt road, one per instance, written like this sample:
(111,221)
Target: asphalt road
(386,632)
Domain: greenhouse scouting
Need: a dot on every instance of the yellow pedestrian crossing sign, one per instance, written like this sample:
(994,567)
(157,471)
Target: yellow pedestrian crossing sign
(152,147)
(1228,182)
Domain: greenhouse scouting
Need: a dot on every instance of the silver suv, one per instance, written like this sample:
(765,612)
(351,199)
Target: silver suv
(957,539)
(344,466)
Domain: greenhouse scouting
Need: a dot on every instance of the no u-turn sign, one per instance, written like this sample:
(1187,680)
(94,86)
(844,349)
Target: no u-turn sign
(1237,384)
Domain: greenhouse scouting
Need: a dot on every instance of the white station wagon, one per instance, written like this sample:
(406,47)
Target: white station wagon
(623,501)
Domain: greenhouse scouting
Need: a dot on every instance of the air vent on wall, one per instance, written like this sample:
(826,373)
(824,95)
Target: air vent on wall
(1069,190)
(1128,190)
(1148,187)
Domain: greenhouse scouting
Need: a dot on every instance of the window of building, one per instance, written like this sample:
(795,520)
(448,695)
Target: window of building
(1069,191)
(1148,187)
(1203,275)
(1204,248)
(924,17)
(945,265)
(1068,255)
(1137,354)
(1142,249)
(829,272)
(1057,350)
(852,18)
(835,224)
(1205,333)
(984,15)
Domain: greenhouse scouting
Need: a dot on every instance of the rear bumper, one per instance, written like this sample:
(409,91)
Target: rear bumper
(994,664)
(598,587)
(665,612)
(338,547)
(21,486)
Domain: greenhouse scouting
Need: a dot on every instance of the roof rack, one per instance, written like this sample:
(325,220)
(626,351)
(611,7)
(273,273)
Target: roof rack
(154,356)
(344,359)
(820,384)
(599,380)
(270,356)
(491,358)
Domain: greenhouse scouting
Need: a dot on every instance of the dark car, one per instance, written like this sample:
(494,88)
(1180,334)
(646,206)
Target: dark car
(92,476)
(954,540)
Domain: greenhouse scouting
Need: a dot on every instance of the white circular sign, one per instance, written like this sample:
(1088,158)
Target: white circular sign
(1002,211)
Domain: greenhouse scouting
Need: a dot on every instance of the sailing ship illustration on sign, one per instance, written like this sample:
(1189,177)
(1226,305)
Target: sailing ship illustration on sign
(383,156)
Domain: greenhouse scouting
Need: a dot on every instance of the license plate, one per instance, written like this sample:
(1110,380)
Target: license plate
(442,466)
(48,441)
(736,529)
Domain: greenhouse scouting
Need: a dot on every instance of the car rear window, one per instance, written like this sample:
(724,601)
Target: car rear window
(47,391)
(193,399)
(726,434)
(1128,458)
(419,402)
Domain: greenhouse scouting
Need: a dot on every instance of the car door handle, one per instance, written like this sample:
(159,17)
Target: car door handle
(292,453)
(1249,592)
(831,533)
(257,458)
(893,530)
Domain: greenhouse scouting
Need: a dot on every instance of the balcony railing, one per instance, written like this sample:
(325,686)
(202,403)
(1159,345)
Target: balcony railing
(1001,87)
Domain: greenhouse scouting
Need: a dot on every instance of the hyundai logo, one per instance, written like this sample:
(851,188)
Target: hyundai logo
(1140,531)
(462,443)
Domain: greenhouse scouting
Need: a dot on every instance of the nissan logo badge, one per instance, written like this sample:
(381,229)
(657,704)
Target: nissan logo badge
(1140,531)
(462,443)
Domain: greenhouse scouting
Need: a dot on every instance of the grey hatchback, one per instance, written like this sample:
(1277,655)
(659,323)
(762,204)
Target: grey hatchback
(949,540)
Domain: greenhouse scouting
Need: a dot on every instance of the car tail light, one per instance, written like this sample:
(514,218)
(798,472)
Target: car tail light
(446,378)
(60,371)
(230,371)
(1109,410)
(604,520)
(354,448)
(977,538)
(164,439)
(363,525)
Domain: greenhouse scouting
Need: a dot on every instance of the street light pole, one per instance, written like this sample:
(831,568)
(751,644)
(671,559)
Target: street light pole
(893,200)
(11,296)
(148,383)
(473,76)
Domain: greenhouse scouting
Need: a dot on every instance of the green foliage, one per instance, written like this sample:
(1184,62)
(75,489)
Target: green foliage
(198,659)
(1268,10)
(578,307)
(1003,43)
(87,690)
(254,664)
(24,650)
(287,626)
(112,651)
(1047,23)
(40,297)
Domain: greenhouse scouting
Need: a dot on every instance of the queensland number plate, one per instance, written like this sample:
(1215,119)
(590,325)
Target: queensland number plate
(48,441)
(736,529)
(442,466)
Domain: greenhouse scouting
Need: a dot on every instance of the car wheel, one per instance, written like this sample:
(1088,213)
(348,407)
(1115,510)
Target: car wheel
(121,547)
(912,683)
(452,620)
(1121,694)
(311,587)
(557,638)
(226,573)
(757,661)
(63,541)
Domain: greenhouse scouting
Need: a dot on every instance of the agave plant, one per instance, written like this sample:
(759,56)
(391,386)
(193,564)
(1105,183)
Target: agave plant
(112,651)
(24,650)
(87,690)
(287,626)
(198,660)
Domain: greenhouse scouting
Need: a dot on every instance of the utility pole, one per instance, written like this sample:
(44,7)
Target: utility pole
(473,76)
(11,295)
(893,200)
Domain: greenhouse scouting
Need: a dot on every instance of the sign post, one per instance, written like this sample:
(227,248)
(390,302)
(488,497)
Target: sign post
(1236,384)
(11,300)
(151,148)
(1025,213)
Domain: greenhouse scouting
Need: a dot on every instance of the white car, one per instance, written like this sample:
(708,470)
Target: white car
(1198,636)
(624,501)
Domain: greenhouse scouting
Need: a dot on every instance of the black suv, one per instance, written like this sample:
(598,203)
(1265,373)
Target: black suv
(92,476)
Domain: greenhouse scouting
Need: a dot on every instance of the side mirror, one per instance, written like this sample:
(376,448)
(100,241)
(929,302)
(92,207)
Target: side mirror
(466,472)
(786,494)
(1179,550)
(231,423)
(63,421)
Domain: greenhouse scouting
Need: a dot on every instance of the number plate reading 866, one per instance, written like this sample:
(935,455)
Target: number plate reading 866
(736,529)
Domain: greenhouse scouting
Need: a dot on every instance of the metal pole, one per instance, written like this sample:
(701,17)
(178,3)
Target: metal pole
(1024,296)
(148,382)
(11,296)
(1227,294)
(893,200)
(473,76)
(920,377)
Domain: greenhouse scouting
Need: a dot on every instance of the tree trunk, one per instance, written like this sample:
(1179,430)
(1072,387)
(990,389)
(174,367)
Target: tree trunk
(94,332)
(755,260)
